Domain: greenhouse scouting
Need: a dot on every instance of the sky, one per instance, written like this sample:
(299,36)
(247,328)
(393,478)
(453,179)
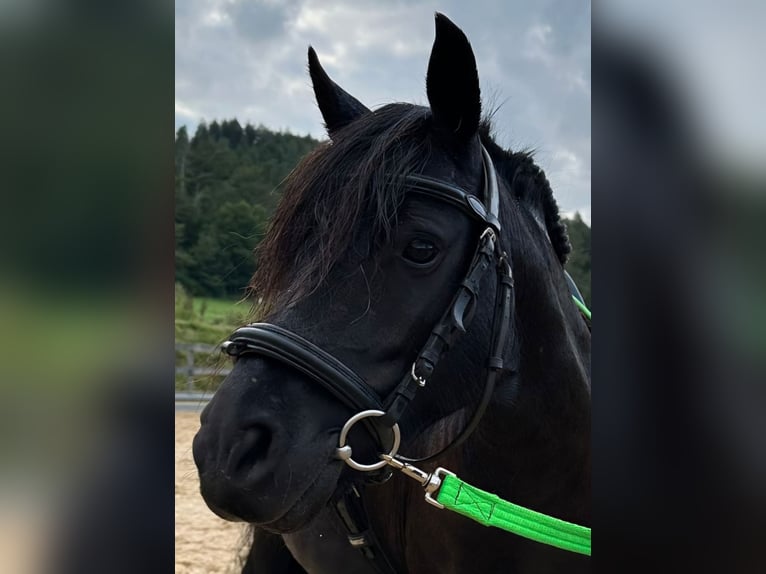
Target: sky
(246,59)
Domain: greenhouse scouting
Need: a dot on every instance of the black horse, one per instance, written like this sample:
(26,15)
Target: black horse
(372,242)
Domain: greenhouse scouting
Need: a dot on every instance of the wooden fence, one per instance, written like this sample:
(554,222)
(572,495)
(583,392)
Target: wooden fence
(191,368)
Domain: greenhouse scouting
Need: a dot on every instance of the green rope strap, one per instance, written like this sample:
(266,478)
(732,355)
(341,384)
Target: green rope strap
(490,510)
(582,307)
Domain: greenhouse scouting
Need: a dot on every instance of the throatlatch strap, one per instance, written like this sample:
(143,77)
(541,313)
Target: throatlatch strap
(352,512)
(490,510)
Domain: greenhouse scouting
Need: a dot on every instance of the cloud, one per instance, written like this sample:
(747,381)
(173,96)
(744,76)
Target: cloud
(583,211)
(247,59)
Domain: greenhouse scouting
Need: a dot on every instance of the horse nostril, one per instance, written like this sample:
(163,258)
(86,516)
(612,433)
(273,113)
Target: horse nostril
(252,449)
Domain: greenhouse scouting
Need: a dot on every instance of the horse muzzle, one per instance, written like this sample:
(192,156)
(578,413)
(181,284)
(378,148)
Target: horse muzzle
(260,461)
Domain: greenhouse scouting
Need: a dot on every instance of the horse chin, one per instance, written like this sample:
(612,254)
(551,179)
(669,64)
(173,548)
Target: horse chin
(309,504)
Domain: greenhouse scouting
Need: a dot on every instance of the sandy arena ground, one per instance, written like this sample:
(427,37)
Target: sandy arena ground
(204,542)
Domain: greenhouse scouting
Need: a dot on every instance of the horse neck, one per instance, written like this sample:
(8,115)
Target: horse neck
(532,450)
(538,435)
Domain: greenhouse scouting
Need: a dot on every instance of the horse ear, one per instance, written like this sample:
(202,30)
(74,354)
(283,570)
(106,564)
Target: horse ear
(452,82)
(338,107)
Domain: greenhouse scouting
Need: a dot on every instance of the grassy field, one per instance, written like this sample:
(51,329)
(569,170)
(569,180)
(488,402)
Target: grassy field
(220,310)
(208,321)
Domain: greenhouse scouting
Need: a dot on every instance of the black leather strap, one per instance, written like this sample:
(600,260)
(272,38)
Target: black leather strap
(487,212)
(448,193)
(445,333)
(352,512)
(501,322)
(573,287)
(303,355)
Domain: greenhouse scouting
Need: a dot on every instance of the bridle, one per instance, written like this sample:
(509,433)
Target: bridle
(379,414)
(345,385)
(349,388)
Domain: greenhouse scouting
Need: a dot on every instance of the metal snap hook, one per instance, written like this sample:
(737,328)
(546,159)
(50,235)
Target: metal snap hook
(344,452)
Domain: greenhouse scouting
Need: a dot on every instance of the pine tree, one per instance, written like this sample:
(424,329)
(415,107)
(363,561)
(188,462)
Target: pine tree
(226,179)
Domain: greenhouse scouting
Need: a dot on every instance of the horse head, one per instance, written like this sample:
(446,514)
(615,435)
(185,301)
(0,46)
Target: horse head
(413,268)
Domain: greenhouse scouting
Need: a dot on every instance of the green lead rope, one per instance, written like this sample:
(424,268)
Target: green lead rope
(582,307)
(490,510)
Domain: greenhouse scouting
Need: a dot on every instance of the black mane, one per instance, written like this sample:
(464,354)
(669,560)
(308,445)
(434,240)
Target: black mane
(350,184)
(354,184)
(530,186)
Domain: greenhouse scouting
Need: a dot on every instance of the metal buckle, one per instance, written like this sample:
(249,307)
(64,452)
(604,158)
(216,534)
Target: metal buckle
(488,232)
(344,452)
(421,381)
(357,540)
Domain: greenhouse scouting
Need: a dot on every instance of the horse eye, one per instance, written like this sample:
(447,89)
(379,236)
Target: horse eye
(420,251)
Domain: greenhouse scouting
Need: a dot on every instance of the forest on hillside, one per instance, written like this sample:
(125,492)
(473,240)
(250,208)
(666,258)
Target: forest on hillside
(226,187)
